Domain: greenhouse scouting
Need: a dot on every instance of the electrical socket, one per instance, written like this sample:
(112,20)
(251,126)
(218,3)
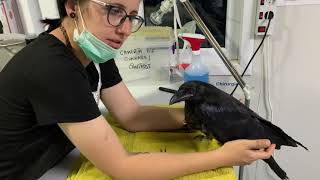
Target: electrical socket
(263,7)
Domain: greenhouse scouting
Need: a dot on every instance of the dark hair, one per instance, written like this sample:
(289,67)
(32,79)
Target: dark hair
(55,23)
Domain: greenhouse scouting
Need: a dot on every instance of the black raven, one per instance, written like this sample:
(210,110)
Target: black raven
(219,115)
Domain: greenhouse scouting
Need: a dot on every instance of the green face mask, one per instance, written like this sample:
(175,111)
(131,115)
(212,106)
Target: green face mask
(96,50)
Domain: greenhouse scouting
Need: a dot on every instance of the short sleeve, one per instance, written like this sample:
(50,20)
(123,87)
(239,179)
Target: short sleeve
(110,75)
(60,93)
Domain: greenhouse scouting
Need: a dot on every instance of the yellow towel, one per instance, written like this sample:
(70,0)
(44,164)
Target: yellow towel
(175,142)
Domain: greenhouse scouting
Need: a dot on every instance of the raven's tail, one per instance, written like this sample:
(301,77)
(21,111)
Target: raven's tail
(276,168)
(299,144)
(279,133)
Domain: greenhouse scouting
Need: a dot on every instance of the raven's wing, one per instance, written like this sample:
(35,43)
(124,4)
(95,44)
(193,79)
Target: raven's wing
(276,134)
(233,110)
(226,124)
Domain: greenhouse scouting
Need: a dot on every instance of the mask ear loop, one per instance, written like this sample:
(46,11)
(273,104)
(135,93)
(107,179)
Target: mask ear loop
(82,21)
(81,16)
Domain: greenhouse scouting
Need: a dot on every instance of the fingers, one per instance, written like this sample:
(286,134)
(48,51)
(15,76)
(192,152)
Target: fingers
(262,148)
(247,151)
(266,153)
(259,144)
(271,149)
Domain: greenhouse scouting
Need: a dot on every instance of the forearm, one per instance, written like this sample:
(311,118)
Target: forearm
(150,118)
(164,166)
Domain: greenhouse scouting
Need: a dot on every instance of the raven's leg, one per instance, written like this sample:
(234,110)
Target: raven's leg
(276,168)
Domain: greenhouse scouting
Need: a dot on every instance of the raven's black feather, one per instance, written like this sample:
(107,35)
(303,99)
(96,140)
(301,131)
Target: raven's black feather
(219,115)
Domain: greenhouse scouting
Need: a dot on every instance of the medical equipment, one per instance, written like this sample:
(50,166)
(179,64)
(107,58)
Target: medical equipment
(156,16)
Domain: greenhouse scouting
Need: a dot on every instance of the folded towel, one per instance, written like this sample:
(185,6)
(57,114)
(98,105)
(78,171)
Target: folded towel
(173,142)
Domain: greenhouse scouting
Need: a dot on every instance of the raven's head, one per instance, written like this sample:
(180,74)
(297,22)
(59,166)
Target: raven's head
(189,90)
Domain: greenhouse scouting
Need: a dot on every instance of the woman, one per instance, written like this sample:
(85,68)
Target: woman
(47,106)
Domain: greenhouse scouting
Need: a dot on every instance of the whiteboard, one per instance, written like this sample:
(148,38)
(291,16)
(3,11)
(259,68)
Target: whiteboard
(296,2)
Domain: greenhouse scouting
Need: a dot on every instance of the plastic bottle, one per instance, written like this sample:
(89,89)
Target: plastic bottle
(196,70)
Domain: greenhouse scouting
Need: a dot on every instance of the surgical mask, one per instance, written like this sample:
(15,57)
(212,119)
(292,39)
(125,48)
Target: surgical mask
(96,50)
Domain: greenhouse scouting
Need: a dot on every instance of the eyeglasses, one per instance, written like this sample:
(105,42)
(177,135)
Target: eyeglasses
(116,16)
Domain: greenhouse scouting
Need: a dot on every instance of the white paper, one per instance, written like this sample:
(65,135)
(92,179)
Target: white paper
(296,2)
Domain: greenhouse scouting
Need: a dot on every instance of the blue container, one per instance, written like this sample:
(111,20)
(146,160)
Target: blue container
(196,70)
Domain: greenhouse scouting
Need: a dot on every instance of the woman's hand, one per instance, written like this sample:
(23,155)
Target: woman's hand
(243,152)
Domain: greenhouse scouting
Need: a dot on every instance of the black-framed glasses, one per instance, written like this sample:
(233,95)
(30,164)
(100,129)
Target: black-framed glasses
(116,16)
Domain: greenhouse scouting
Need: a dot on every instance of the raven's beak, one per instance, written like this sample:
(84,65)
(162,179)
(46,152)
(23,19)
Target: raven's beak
(177,97)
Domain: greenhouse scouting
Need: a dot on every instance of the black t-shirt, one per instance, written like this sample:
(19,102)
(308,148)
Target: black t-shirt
(42,85)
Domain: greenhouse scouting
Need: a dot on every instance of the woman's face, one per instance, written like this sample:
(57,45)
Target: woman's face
(96,21)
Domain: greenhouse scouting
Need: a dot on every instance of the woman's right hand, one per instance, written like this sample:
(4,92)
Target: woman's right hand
(243,152)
